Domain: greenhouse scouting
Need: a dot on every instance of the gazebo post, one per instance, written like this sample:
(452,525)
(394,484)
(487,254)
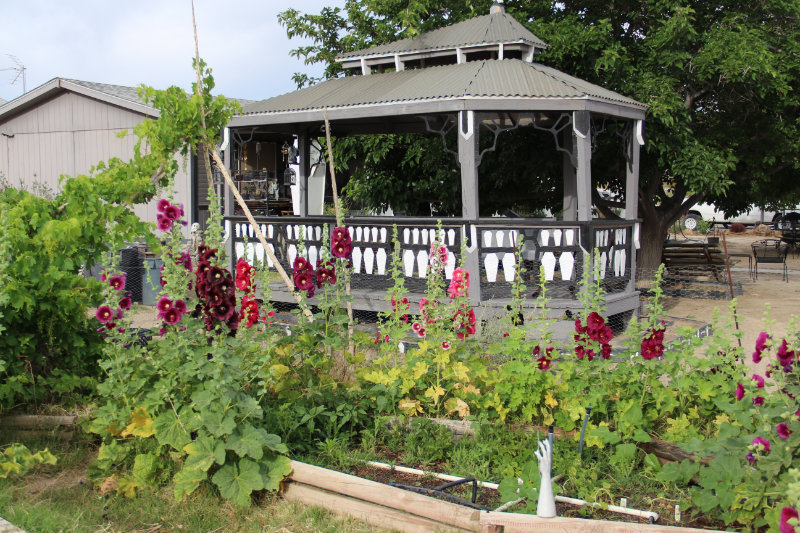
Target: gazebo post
(227,205)
(632,189)
(570,209)
(582,127)
(468,135)
(302,178)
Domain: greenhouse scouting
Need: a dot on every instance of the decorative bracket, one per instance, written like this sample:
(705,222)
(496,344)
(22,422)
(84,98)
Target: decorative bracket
(447,127)
(564,121)
(497,129)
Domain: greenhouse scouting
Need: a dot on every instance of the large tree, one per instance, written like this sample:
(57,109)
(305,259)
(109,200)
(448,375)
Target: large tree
(720,77)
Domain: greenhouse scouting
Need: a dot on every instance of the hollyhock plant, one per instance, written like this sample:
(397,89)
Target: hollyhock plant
(459,284)
(759,381)
(172,316)
(739,391)
(125,302)
(341,243)
(761,444)
(783,430)
(761,345)
(163,223)
(117,282)
(163,204)
(464,322)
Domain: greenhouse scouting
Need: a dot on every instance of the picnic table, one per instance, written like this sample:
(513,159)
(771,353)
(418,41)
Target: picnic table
(693,257)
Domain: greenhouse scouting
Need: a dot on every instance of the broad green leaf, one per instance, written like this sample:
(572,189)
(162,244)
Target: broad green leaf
(204,452)
(237,481)
(187,480)
(218,424)
(169,430)
(641,436)
(145,467)
(275,470)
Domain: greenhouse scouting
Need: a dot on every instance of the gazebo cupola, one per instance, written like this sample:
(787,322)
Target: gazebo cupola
(497,35)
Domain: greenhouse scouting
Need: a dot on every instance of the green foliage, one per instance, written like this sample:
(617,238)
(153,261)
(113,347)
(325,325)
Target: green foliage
(17,460)
(427,443)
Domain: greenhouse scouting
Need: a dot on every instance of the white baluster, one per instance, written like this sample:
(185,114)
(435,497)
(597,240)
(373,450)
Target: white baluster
(239,250)
(312,256)
(500,236)
(491,263)
(251,253)
(432,236)
(567,263)
(422,263)
(374,234)
(425,237)
(569,236)
(509,262)
(260,253)
(603,262)
(623,255)
(415,235)
(557,237)
(250,230)
(358,233)
(487,239)
(544,237)
(238,230)
(270,231)
(227,231)
(406,234)
(408,263)
(369,260)
(450,266)
(357,260)
(549,264)
(271,249)
(297,231)
(383,234)
(318,232)
(288,231)
(451,236)
(291,252)
(381,257)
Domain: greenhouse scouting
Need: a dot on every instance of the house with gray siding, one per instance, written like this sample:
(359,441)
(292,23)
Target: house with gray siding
(67,126)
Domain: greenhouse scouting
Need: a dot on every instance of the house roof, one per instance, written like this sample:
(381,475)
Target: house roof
(489,29)
(119,95)
(534,84)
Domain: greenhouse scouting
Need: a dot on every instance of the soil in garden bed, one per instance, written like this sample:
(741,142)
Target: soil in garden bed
(490,499)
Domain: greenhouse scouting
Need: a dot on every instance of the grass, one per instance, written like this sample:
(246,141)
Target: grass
(58,498)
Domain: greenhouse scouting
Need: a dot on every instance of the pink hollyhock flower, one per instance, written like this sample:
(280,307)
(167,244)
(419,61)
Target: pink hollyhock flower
(163,204)
(797,415)
(386,338)
(785,355)
(163,223)
(787,513)
(163,305)
(783,431)
(739,391)
(103,276)
(172,316)
(445,345)
(594,321)
(118,314)
(759,381)
(761,444)
(125,303)
(117,283)
(162,330)
(377,337)
(104,313)
(761,345)
(506,334)
(459,284)
(421,332)
(758,401)
(416,326)
(180,306)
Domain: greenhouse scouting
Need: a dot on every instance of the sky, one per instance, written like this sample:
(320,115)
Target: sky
(151,42)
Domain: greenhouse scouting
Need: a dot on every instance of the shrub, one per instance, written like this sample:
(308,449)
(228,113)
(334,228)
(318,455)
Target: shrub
(737,227)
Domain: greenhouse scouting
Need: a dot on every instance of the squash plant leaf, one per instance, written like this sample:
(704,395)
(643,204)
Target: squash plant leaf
(237,481)
(187,480)
(204,452)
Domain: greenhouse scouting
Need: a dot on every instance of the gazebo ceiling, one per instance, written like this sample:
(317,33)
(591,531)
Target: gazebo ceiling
(489,85)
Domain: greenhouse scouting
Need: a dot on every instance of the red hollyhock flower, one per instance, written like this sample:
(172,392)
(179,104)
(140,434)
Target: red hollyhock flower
(243,268)
(117,283)
(758,401)
(104,313)
(594,321)
(759,381)
(787,513)
(544,363)
(180,306)
(605,335)
(163,223)
(243,283)
(783,431)
(125,303)
(464,321)
(579,326)
(163,305)
(172,212)
(223,311)
(303,281)
(341,243)
(605,351)
(580,351)
(163,204)
(785,356)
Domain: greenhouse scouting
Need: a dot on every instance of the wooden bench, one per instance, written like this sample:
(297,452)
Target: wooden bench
(693,258)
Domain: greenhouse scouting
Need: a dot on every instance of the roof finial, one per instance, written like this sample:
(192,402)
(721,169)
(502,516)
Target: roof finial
(497,7)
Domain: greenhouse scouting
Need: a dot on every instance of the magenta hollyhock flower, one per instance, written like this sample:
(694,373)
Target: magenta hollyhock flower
(605,351)
(606,334)
(117,283)
(104,313)
(416,326)
(783,431)
(758,401)
(118,314)
(759,381)
(761,444)
(163,223)
(543,363)
(579,326)
(750,458)
(172,212)
(580,351)
(739,391)
(445,345)
(163,204)
(421,332)
(785,355)
(797,415)
(788,513)
(180,306)
(761,345)
(304,281)
(125,303)
(163,305)
(341,243)
(162,330)
(172,316)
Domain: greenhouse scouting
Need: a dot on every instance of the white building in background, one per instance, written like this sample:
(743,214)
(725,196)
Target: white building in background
(68,126)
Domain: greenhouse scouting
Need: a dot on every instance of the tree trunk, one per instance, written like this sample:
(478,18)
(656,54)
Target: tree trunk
(653,234)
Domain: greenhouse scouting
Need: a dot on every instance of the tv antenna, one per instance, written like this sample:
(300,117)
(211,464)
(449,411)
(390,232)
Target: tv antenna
(20,70)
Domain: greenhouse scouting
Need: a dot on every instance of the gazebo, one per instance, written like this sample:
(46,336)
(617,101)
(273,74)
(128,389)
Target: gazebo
(475,77)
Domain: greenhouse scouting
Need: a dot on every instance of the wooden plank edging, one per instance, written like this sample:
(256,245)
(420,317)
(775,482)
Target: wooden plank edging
(37,421)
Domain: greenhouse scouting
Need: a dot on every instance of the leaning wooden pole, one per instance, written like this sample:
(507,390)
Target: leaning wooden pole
(215,155)
(338,208)
(730,283)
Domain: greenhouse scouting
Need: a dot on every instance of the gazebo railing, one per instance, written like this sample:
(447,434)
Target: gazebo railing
(557,247)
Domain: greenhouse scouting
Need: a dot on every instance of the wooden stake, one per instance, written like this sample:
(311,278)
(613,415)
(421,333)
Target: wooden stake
(730,284)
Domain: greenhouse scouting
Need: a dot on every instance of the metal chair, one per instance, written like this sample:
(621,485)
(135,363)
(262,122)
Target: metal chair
(770,251)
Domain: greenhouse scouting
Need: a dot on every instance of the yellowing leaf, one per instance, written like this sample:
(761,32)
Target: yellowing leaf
(548,419)
(141,424)
(457,405)
(108,485)
(127,487)
(411,407)
(113,430)
(278,371)
(549,401)
(419,370)
(434,393)
(461,371)
(471,389)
